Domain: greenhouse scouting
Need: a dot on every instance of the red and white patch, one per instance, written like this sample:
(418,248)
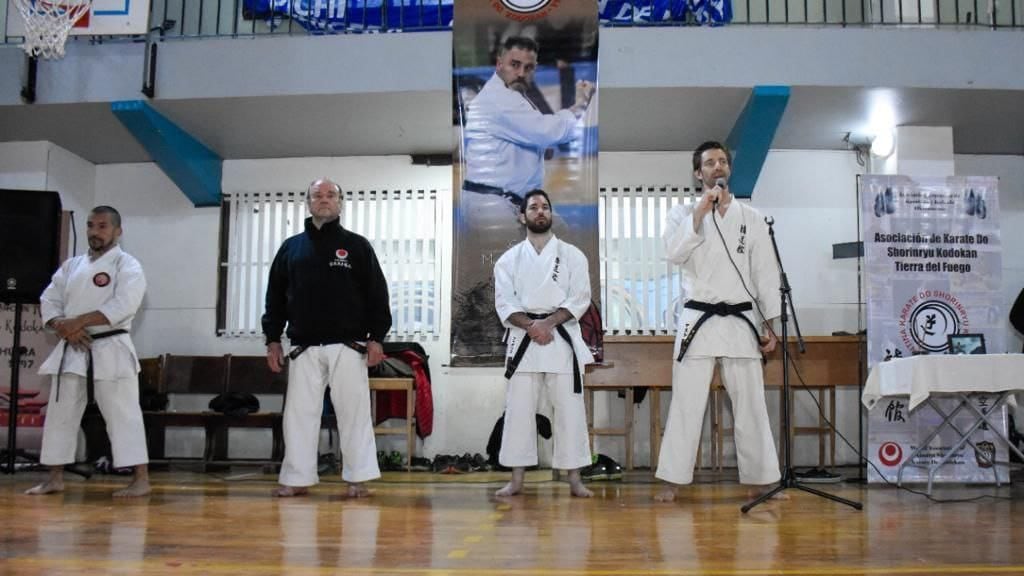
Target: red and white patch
(101,279)
(341,253)
(890,454)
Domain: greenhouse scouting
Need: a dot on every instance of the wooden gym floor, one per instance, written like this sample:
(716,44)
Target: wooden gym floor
(418,523)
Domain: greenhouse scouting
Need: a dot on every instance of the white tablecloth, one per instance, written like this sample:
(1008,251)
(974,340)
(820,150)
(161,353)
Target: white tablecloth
(919,376)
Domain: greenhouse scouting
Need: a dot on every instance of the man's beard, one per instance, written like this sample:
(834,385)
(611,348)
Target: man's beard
(97,244)
(519,86)
(537,228)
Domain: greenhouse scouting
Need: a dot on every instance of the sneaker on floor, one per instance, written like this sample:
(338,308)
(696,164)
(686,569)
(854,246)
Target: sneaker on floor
(818,476)
(613,471)
(420,464)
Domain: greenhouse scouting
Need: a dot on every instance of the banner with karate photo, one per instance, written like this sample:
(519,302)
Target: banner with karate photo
(33,388)
(933,268)
(525,109)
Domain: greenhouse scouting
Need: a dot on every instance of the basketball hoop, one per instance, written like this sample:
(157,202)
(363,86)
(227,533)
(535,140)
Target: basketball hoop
(47,24)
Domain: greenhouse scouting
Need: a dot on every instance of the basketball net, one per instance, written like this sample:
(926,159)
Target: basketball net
(47,24)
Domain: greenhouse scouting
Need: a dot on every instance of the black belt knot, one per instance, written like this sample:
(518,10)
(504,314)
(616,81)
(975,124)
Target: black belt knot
(512,364)
(714,309)
(88,370)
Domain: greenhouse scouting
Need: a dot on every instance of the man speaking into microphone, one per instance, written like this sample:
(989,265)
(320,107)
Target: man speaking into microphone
(731,282)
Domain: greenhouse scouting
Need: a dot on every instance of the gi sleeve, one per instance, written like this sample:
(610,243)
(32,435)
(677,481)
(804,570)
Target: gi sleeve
(51,302)
(526,126)
(578,299)
(506,301)
(128,291)
(679,238)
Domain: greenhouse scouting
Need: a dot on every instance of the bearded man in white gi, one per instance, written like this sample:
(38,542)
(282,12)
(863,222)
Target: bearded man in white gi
(90,303)
(327,286)
(541,289)
(725,319)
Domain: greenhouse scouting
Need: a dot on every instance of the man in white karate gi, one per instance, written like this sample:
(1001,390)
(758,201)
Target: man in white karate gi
(541,289)
(90,303)
(327,286)
(731,282)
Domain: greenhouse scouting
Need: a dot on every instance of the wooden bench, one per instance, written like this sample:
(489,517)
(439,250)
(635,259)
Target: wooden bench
(212,375)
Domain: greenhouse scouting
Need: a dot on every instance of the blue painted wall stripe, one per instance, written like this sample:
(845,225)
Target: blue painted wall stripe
(751,137)
(193,167)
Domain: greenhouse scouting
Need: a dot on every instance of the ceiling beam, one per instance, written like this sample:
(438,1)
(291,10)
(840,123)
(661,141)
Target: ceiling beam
(193,167)
(752,135)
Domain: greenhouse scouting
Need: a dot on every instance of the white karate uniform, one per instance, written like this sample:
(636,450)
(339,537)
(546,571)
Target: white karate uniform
(506,136)
(114,285)
(344,370)
(525,281)
(708,276)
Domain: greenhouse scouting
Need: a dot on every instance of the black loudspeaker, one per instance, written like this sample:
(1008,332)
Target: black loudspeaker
(29,243)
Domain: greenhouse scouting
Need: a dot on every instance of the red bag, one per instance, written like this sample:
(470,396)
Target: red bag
(593,331)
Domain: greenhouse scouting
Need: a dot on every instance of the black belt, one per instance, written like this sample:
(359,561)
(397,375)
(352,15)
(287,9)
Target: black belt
(88,369)
(493,190)
(717,309)
(513,363)
(300,348)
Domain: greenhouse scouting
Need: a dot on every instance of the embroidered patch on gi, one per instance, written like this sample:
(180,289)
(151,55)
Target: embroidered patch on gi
(101,279)
(340,259)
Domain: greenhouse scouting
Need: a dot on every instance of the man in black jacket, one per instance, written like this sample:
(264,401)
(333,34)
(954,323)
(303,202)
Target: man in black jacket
(328,287)
(1017,313)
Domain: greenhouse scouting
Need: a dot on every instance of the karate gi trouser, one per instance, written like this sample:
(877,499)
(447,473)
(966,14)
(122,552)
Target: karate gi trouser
(569,422)
(744,381)
(118,401)
(344,370)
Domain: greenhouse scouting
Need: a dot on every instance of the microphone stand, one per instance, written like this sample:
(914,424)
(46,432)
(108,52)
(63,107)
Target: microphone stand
(788,479)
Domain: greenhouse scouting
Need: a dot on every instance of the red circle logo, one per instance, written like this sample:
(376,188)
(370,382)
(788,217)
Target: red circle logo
(341,253)
(890,454)
(101,279)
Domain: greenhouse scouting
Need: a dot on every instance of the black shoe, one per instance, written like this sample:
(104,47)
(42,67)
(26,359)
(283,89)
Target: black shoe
(612,469)
(603,468)
(818,476)
(479,463)
(327,464)
(440,463)
(594,472)
(421,464)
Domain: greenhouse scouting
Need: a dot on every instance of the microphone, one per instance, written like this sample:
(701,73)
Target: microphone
(720,184)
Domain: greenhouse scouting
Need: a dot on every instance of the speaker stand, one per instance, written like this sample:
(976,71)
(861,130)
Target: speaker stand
(11,454)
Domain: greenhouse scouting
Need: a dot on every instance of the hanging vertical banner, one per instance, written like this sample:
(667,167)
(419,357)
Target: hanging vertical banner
(33,388)
(933,261)
(525,79)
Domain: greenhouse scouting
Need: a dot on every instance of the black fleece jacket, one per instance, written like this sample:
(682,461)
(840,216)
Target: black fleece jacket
(327,285)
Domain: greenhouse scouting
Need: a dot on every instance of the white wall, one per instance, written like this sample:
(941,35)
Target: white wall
(811,195)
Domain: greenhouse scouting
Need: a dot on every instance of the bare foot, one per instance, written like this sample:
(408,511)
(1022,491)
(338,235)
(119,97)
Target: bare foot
(666,495)
(48,487)
(289,491)
(576,485)
(357,491)
(134,490)
(579,490)
(510,489)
